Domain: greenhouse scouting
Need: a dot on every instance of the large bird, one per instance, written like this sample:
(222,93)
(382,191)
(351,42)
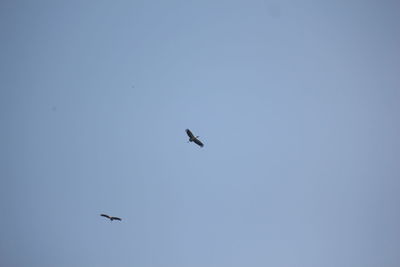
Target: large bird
(111,217)
(193,138)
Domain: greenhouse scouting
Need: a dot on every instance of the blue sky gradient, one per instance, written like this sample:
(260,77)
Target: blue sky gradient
(297,104)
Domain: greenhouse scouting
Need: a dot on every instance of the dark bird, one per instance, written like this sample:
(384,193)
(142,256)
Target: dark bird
(110,217)
(193,138)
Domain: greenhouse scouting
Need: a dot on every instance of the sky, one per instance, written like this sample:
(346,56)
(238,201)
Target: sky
(297,103)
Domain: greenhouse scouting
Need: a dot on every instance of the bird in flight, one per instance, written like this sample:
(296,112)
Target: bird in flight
(193,138)
(111,217)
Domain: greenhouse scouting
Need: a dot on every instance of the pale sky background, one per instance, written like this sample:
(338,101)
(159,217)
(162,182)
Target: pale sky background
(297,103)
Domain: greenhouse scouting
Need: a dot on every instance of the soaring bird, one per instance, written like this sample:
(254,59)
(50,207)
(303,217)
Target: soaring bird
(110,217)
(193,138)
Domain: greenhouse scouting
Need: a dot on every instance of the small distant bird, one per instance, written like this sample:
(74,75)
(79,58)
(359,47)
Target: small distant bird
(193,138)
(110,217)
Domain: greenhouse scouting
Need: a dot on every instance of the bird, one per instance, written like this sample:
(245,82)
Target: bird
(111,217)
(193,138)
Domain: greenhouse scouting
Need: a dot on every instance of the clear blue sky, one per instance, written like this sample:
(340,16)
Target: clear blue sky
(297,103)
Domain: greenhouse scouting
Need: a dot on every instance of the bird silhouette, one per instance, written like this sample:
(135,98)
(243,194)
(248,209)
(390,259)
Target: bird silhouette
(193,138)
(111,217)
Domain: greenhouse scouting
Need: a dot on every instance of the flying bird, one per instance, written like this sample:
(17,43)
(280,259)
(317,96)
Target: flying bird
(111,217)
(193,138)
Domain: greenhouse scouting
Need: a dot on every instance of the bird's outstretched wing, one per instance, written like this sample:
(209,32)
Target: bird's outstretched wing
(197,141)
(116,218)
(189,133)
(105,215)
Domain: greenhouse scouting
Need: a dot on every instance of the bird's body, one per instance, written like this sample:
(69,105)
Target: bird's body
(111,217)
(193,138)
